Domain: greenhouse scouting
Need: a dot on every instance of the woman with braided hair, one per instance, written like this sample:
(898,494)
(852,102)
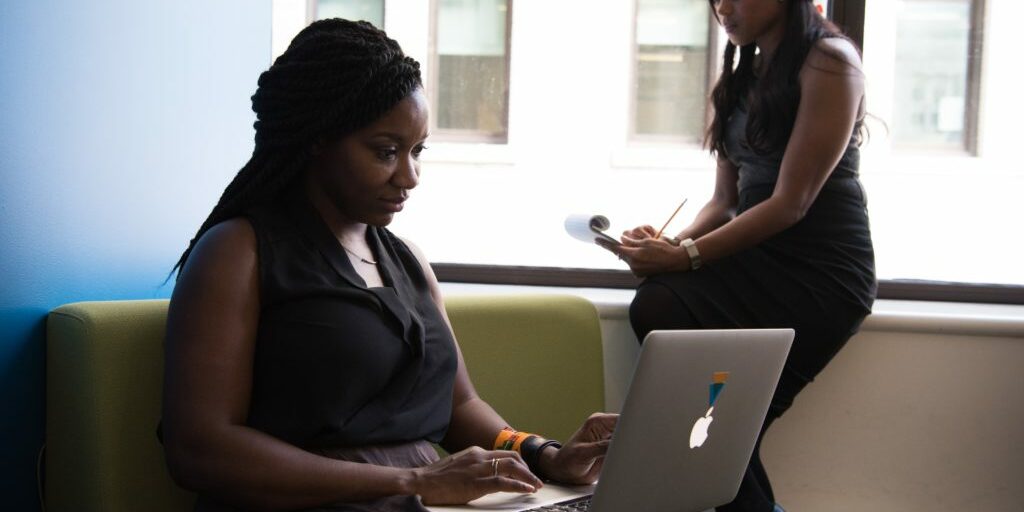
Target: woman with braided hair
(309,360)
(784,240)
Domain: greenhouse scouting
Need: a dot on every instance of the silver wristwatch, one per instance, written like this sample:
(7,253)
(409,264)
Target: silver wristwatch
(691,249)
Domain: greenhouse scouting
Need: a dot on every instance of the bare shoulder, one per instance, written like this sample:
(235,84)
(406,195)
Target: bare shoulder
(435,287)
(229,239)
(214,311)
(226,255)
(415,249)
(421,257)
(834,55)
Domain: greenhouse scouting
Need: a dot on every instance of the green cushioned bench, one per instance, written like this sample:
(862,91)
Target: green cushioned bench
(536,359)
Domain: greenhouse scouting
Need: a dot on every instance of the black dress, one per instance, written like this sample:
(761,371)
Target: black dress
(817,277)
(350,372)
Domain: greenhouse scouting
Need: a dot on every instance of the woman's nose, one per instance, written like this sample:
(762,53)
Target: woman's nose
(724,7)
(407,175)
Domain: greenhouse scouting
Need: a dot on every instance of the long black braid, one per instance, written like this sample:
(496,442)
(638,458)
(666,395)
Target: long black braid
(335,77)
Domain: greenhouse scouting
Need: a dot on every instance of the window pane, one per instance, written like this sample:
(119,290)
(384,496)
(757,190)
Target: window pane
(931,73)
(671,68)
(924,187)
(368,10)
(472,64)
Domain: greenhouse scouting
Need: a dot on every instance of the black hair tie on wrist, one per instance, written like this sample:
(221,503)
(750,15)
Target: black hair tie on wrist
(531,450)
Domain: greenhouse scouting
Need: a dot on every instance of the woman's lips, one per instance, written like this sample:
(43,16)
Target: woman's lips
(394,204)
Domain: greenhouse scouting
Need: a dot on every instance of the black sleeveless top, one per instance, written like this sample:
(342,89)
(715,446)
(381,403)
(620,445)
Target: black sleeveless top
(338,364)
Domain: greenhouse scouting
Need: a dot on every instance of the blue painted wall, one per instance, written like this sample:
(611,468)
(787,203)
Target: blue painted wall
(120,123)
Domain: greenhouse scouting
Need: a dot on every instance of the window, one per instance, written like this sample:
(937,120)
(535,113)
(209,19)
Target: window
(940,172)
(671,69)
(933,62)
(291,16)
(470,83)
(592,83)
(367,10)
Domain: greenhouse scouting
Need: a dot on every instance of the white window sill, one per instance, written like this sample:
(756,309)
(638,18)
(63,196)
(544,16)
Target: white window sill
(888,315)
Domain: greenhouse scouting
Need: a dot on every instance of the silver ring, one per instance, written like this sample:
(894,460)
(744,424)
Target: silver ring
(494,464)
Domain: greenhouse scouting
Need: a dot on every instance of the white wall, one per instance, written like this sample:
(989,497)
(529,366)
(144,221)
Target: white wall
(907,421)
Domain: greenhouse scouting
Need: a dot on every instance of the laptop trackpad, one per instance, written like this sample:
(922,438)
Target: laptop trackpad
(550,493)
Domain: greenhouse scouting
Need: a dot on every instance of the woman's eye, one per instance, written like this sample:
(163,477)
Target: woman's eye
(387,153)
(416,151)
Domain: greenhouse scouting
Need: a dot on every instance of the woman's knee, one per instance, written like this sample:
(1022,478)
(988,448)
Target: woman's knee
(655,307)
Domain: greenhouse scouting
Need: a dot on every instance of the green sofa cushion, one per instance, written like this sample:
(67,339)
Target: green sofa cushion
(536,359)
(104,371)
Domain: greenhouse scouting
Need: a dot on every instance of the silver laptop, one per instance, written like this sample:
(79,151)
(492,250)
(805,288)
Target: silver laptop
(688,426)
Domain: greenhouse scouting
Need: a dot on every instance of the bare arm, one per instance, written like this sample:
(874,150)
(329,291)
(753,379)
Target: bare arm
(831,93)
(832,87)
(211,335)
(722,206)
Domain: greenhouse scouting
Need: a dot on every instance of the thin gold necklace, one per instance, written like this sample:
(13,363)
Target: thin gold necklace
(362,259)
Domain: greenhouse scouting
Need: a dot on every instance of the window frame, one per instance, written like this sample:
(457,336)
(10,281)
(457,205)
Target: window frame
(891,289)
(975,57)
(449,135)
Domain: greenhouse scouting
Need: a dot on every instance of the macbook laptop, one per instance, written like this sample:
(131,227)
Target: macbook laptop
(687,429)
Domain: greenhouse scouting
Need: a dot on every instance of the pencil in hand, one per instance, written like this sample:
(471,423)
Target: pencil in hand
(660,231)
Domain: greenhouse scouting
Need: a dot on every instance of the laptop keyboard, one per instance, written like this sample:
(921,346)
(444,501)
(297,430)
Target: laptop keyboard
(573,505)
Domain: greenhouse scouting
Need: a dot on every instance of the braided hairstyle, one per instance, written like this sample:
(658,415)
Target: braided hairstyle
(775,97)
(336,77)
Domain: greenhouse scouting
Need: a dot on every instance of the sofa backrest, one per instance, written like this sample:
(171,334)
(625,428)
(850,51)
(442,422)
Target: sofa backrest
(536,359)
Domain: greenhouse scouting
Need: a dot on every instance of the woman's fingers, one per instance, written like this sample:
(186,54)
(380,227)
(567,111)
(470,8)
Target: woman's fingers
(474,472)
(511,475)
(603,422)
(513,467)
(644,231)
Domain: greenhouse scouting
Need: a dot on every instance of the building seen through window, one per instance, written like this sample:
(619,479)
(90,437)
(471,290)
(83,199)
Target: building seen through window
(931,82)
(671,73)
(471,63)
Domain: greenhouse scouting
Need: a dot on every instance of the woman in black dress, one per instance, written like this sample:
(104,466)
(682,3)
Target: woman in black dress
(784,240)
(309,360)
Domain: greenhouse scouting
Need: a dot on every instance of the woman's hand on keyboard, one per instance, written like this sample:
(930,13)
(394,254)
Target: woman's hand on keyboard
(580,460)
(472,473)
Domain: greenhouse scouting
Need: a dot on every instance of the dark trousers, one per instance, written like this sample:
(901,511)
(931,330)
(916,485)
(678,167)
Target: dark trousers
(657,307)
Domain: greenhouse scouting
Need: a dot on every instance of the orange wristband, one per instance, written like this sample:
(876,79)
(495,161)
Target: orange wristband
(509,439)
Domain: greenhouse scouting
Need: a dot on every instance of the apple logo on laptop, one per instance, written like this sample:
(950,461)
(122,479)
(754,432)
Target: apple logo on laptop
(699,433)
